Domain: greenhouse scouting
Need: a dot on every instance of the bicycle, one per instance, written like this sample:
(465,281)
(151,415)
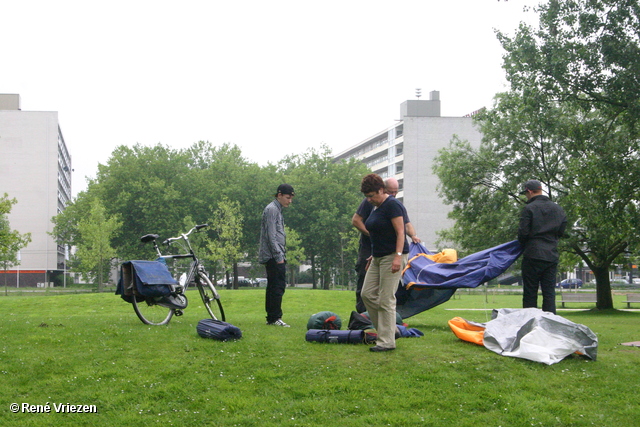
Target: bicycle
(157,311)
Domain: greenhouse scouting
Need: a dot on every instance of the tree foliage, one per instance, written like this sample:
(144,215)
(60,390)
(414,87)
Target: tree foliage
(145,187)
(584,52)
(157,189)
(154,188)
(571,120)
(327,195)
(11,241)
(295,253)
(94,252)
(227,224)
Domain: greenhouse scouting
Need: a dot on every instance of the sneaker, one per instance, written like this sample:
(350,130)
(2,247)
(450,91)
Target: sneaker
(278,322)
(377,348)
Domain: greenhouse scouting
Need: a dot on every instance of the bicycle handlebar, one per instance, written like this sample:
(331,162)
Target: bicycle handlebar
(184,236)
(177,256)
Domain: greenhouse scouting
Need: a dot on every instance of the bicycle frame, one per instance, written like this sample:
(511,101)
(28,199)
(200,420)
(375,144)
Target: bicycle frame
(196,273)
(195,266)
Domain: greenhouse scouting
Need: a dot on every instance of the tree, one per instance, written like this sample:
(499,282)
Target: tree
(349,245)
(327,195)
(584,52)
(11,241)
(571,120)
(148,188)
(227,225)
(295,253)
(94,251)
(65,224)
(153,189)
(223,172)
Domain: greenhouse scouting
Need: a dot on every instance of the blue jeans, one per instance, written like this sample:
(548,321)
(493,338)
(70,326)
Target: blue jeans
(276,284)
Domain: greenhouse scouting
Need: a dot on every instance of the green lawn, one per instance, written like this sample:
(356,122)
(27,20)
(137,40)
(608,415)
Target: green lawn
(91,349)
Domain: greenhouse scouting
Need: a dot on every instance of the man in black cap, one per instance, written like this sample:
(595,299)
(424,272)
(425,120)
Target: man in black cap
(542,223)
(273,253)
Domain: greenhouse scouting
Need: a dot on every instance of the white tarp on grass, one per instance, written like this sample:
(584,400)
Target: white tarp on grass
(537,335)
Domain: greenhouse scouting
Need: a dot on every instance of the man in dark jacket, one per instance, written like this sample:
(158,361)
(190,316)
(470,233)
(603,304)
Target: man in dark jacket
(542,223)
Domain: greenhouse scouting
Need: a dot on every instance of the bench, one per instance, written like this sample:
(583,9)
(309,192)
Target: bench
(591,297)
(631,298)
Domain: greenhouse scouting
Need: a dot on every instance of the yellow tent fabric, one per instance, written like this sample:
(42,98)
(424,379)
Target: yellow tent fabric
(447,256)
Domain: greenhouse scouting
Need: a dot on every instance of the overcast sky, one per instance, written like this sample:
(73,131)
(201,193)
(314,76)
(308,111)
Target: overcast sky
(273,77)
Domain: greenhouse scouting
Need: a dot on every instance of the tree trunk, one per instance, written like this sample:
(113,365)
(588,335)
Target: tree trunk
(603,288)
(313,271)
(235,275)
(604,300)
(326,280)
(99,276)
(292,276)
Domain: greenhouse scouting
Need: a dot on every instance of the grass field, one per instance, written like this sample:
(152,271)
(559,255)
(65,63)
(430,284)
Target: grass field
(90,349)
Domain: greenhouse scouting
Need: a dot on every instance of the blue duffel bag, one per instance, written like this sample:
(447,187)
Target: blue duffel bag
(218,330)
(340,337)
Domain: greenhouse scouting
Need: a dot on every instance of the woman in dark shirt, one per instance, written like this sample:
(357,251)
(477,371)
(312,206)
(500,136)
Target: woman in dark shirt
(389,248)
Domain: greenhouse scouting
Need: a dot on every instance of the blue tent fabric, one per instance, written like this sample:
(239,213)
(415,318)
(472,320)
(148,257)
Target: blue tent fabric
(414,301)
(427,283)
(409,332)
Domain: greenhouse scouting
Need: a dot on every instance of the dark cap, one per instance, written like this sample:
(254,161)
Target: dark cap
(285,189)
(531,185)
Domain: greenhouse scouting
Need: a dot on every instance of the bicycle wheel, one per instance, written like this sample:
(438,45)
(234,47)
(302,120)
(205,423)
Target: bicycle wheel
(151,313)
(209,294)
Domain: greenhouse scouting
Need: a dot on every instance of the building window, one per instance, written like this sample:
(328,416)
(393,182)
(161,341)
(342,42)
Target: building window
(399,131)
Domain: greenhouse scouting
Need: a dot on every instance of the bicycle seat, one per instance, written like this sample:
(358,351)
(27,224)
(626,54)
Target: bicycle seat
(148,238)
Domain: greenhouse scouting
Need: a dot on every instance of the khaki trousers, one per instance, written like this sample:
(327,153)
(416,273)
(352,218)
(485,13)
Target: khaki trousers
(379,296)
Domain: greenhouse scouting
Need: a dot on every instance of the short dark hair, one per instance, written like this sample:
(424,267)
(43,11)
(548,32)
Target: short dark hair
(371,183)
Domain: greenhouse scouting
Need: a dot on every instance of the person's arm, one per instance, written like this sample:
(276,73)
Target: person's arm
(524,228)
(357,222)
(398,226)
(562,232)
(411,232)
(272,241)
(408,228)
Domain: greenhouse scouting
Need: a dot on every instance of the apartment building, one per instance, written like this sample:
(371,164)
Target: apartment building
(406,151)
(35,169)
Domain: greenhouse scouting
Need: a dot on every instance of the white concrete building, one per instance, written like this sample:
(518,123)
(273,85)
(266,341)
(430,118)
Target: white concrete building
(406,151)
(35,169)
